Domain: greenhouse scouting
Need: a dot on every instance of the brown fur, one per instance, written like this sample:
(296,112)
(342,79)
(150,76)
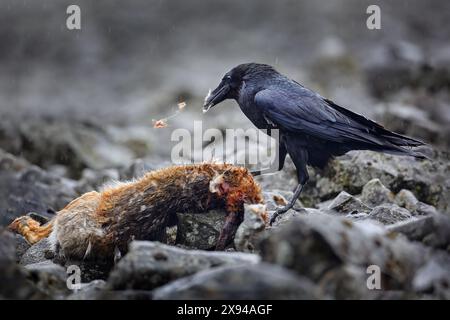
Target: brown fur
(98,223)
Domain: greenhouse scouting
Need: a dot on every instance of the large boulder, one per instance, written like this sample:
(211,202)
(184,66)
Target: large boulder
(428,180)
(389,214)
(432,230)
(15,280)
(200,230)
(330,249)
(25,188)
(49,277)
(249,231)
(38,252)
(346,204)
(75,145)
(148,265)
(257,282)
(375,193)
(88,291)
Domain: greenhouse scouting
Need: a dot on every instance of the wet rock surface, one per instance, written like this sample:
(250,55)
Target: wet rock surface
(76,146)
(368,210)
(49,277)
(327,250)
(69,128)
(201,231)
(347,204)
(15,279)
(38,252)
(428,180)
(389,214)
(150,264)
(253,226)
(432,230)
(261,281)
(26,188)
(375,193)
(88,291)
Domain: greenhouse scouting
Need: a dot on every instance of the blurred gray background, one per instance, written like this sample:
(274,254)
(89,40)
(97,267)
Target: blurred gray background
(86,99)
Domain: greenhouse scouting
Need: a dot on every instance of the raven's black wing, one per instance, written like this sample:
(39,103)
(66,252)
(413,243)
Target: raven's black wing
(297,109)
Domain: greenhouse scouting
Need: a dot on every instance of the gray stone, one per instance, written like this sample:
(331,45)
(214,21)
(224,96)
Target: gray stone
(427,179)
(94,179)
(49,277)
(347,282)
(412,121)
(256,282)
(432,230)
(407,199)
(255,221)
(375,193)
(75,145)
(88,291)
(284,180)
(347,204)
(200,230)
(389,214)
(151,264)
(14,279)
(27,188)
(38,252)
(91,269)
(424,209)
(286,217)
(434,276)
(21,246)
(312,258)
(313,245)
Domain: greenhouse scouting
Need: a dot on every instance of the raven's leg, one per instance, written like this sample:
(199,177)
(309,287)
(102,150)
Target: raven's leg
(300,159)
(291,203)
(282,152)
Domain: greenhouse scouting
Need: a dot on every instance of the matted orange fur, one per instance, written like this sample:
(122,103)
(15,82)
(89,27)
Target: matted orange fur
(96,224)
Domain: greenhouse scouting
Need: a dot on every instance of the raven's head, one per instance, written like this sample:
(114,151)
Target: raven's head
(232,81)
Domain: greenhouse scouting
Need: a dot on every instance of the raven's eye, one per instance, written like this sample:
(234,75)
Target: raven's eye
(227,78)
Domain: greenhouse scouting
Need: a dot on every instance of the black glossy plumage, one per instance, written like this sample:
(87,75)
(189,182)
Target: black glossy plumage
(312,128)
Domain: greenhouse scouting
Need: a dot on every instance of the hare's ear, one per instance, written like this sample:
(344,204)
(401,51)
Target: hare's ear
(219,185)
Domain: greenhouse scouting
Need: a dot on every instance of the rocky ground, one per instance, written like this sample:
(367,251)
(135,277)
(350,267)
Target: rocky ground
(365,210)
(76,112)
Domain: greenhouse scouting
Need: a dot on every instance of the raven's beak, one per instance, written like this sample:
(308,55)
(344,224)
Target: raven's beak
(217,96)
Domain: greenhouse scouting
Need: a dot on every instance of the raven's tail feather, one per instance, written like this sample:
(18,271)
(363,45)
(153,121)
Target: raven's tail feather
(378,130)
(400,140)
(403,152)
(400,145)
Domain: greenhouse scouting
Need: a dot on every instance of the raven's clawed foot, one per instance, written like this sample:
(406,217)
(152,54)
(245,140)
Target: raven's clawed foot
(278,212)
(289,206)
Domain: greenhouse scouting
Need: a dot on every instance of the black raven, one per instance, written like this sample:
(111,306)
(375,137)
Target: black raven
(312,129)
